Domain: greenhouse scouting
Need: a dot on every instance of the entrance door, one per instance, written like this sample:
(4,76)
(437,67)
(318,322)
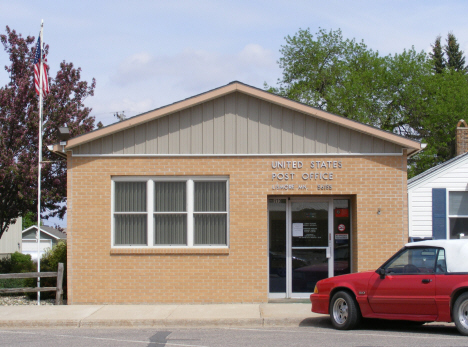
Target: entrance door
(310,245)
(302,246)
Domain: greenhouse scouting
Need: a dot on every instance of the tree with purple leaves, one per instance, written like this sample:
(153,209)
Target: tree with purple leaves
(19,131)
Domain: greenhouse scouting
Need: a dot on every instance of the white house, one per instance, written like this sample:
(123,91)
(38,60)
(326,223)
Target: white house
(11,239)
(49,237)
(438,197)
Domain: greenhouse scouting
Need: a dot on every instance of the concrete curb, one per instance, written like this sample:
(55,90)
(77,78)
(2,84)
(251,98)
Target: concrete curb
(142,316)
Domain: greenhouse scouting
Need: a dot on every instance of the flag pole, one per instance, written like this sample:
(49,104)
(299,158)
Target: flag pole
(38,232)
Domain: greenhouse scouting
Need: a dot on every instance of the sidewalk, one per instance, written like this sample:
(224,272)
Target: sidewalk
(216,315)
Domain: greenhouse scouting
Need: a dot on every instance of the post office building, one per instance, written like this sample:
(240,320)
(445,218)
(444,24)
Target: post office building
(231,196)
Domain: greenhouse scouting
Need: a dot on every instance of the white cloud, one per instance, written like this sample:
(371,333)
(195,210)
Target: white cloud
(256,55)
(195,69)
(143,82)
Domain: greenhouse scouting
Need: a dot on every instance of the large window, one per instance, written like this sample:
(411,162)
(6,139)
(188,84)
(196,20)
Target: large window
(167,212)
(458,214)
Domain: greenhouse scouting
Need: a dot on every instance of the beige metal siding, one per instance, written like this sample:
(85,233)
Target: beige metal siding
(237,124)
(197,130)
(241,119)
(264,136)
(344,141)
(230,130)
(287,131)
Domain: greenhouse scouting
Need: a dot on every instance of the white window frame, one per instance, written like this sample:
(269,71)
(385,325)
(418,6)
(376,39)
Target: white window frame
(190,198)
(449,216)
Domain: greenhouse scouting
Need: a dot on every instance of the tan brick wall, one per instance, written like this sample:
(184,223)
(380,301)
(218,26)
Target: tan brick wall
(98,274)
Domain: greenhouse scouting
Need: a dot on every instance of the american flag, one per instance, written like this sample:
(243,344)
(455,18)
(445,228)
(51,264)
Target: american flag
(37,67)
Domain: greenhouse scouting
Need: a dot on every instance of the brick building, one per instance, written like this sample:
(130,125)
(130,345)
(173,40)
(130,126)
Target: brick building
(234,195)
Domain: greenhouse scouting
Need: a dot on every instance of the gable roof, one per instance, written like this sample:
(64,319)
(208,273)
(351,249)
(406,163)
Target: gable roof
(436,170)
(56,234)
(412,146)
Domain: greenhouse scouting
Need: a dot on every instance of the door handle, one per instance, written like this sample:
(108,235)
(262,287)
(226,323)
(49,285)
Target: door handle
(426,280)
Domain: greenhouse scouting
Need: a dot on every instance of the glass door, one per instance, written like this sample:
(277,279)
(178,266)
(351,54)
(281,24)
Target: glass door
(277,246)
(299,245)
(310,245)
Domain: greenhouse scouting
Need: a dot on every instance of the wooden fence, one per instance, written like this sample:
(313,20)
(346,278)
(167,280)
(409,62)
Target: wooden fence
(58,289)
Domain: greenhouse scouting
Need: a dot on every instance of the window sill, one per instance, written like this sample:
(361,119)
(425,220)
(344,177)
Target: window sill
(169,251)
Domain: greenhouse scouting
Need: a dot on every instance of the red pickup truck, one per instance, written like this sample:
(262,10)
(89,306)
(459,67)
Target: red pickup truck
(424,282)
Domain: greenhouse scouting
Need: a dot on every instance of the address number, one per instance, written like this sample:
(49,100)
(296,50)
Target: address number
(324,187)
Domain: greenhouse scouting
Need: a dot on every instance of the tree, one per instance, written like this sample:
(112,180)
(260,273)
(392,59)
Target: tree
(443,102)
(455,58)
(29,219)
(319,71)
(405,93)
(437,56)
(19,121)
(349,79)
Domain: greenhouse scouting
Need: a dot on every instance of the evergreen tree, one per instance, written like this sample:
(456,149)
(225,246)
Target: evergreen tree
(437,56)
(455,58)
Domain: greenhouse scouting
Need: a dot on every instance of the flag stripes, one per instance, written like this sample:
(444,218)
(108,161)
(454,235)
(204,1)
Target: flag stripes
(37,73)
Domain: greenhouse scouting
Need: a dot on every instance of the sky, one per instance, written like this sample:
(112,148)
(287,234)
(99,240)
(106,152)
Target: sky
(146,54)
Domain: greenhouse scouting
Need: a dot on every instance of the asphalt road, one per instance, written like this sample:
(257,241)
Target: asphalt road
(316,333)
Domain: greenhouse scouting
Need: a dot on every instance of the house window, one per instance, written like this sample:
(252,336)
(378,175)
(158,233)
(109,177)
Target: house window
(458,214)
(210,213)
(130,213)
(170,212)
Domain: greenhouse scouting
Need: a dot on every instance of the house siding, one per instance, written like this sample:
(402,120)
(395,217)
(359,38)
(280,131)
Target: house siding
(11,239)
(452,177)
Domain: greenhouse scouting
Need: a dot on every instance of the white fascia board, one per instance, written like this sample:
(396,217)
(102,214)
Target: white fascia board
(43,231)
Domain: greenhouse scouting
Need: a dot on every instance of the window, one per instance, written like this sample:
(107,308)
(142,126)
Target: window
(170,212)
(130,213)
(458,214)
(210,213)
(416,260)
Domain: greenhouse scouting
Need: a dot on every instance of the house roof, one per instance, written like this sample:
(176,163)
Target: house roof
(436,170)
(412,146)
(56,234)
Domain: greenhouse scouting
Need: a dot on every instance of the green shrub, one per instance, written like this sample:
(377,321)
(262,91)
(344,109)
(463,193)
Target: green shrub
(16,263)
(49,263)
(12,283)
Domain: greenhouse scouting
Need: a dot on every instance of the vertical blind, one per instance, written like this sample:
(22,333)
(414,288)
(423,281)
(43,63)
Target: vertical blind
(170,196)
(210,229)
(130,229)
(210,196)
(170,214)
(170,229)
(130,196)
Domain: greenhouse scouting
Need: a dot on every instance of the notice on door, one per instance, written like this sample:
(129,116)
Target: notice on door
(298,230)
(341,236)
